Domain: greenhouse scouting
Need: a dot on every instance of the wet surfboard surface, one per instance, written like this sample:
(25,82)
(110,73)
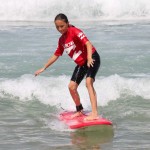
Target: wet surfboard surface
(81,122)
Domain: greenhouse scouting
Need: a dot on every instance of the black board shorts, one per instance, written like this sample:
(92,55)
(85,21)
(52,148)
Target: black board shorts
(80,71)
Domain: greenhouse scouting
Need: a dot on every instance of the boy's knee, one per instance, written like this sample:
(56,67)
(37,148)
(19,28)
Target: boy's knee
(72,86)
(89,82)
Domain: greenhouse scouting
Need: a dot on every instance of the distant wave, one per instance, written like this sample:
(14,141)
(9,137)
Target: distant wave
(45,10)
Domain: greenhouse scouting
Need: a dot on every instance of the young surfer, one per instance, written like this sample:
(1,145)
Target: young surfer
(84,54)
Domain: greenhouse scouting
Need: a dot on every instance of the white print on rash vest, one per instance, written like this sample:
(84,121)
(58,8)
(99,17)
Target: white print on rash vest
(81,35)
(69,47)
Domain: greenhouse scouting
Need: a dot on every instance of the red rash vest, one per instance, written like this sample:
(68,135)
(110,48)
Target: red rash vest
(73,42)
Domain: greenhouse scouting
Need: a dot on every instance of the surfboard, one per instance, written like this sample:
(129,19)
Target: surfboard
(80,122)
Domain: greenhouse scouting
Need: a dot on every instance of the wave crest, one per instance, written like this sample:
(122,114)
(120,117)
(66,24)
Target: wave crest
(47,91)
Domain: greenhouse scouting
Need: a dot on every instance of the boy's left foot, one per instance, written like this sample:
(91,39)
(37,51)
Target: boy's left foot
(91,117)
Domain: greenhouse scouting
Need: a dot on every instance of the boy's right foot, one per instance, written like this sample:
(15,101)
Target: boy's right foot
(77,114)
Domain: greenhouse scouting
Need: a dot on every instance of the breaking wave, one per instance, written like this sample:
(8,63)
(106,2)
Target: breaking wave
(46,10)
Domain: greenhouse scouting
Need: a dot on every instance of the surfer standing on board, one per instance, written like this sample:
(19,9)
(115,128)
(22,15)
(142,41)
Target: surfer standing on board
(84,54)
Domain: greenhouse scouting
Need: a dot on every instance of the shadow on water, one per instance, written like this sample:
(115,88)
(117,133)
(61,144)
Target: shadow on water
(92,137)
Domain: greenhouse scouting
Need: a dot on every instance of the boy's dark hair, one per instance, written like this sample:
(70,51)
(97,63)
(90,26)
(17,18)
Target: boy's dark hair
(61,17)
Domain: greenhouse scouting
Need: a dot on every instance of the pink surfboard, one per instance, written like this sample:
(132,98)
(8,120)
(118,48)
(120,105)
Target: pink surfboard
(79,122)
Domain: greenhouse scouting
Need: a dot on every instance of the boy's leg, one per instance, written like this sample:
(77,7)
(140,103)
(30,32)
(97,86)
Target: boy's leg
(93,99)
(74,93)
(76,98)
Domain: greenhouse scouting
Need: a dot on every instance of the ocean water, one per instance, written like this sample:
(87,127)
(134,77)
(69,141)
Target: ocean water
(29,106)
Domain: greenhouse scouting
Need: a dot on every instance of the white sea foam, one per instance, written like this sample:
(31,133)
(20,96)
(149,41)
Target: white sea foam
(45,10)
(54,90)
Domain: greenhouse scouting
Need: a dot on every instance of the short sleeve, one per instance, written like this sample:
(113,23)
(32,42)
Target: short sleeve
(59,50)
(80,36)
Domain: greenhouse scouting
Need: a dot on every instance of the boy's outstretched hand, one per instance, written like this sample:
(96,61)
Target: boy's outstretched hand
(39,71)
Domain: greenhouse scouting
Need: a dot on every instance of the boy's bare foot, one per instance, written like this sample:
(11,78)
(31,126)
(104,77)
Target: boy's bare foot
(91,117)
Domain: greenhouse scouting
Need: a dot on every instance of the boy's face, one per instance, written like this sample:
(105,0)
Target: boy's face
(61,26)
